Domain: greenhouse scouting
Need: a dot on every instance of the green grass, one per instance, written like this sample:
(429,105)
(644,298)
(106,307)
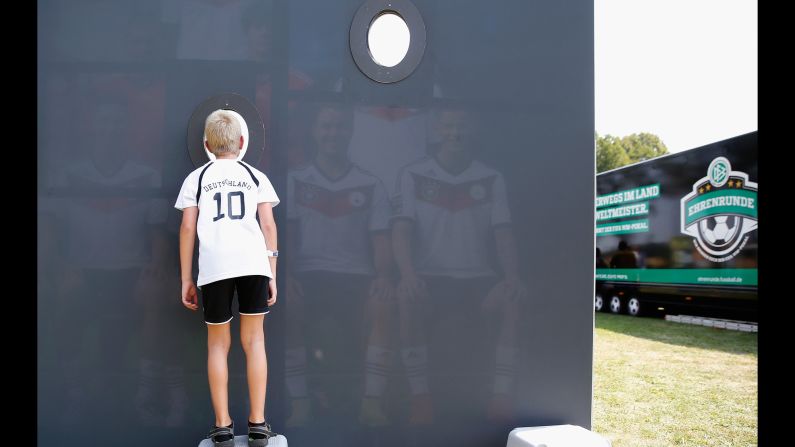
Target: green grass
(658,383)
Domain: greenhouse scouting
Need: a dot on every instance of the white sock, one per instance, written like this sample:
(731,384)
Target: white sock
(147,380)
(415,360)
(377,365)
(505,370)
(175,381)
(295,371)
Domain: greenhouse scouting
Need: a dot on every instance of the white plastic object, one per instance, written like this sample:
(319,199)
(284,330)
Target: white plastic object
(555,436)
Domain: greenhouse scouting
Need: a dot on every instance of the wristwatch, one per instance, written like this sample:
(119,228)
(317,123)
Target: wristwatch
(272,254)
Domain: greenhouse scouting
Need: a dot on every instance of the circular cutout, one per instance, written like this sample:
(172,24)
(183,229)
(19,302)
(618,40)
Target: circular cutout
(251,124)
(388,39)
(372,39)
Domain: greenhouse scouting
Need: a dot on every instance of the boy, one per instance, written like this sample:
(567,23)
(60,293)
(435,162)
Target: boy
(236,235)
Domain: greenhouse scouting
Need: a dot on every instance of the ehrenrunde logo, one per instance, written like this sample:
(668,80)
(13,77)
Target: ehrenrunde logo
(720,211)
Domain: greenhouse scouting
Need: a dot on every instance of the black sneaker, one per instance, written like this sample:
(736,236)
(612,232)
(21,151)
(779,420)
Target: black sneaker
(258,434)
(222,436)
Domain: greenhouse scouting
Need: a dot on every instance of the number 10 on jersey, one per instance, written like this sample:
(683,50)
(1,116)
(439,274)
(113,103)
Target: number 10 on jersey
(229,209)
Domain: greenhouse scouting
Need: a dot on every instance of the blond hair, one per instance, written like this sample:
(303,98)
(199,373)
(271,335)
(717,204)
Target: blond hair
(222,131)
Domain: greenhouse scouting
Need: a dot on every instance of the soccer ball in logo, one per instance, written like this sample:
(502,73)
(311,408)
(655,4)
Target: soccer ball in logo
(719,230)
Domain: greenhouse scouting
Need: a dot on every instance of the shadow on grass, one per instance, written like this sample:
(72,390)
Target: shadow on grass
(734,342)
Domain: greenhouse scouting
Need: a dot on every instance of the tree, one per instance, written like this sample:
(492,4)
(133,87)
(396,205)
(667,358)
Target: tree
(643,146)
(610,154)
(613,152)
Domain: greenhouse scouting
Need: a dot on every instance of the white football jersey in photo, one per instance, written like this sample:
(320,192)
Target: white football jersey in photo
(336,218)
(126,201)
(453,216)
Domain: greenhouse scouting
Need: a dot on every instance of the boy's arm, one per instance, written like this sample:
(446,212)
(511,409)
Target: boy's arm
(410,285)
(380,233)
(187,238)
(382,254)
(381,286)
(401,245)
(511,288)
(268,226)
(506,252)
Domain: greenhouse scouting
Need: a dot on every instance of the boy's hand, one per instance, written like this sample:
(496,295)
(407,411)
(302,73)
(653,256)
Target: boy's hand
(189,296)
(505,292)
(381,289)
(412,287)
(272,290)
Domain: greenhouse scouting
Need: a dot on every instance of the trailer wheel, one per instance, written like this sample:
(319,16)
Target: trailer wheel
(598,303)
(633,306)
(615,304)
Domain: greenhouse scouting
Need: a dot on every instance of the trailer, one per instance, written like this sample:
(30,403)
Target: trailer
(678,234)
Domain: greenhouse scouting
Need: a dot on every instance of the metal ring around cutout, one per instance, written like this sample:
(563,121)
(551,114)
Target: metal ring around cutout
(364,17)
(254,144)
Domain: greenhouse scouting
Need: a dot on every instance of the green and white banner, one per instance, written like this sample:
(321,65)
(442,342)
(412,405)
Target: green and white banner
(625,204)
(735,277)
(740,203)
(637,209)
(631,195)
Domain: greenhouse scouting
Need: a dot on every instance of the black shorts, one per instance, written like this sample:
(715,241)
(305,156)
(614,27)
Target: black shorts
(252,294)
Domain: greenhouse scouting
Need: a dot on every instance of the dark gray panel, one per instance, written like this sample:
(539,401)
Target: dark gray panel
(475,169)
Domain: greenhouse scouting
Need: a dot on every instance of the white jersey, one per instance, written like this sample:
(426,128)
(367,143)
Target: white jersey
(108,218)
(453,216)
(336,218)
(231,243)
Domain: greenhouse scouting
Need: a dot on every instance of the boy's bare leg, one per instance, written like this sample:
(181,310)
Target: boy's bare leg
(413,324)
(381,316)
(252,337)
(218,342)
(502,404)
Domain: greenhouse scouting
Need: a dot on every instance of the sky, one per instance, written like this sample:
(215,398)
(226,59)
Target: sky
(685,70)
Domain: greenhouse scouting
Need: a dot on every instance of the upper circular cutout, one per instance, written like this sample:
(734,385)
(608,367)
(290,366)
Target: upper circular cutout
(251,126)
(387,39)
